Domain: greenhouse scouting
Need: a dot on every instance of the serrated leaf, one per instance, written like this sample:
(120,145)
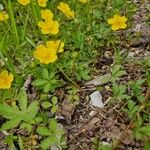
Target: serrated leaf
(45,74)
(26,126)
(52,75)
(9,112)
(22,99)
(46,87)
(120,73)
(131,104)
(53,124)
(46,143)
(115,69)
(39,82)
(43,131)
(11,123)
(54,100)
(46,104)
(54,109)
(31,112)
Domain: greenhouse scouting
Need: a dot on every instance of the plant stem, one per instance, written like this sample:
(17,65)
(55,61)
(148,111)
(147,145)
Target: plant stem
(66,76)
(13,23)
(34,12)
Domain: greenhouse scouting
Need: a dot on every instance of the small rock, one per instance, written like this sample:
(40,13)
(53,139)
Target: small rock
(105,143)
(54,147)
(96,99)
(92,113)
(131,54)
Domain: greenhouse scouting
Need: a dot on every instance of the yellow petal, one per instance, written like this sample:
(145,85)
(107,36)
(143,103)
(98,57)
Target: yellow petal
(46,14)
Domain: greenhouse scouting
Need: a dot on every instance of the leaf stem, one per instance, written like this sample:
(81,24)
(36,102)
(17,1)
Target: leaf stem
(13,23)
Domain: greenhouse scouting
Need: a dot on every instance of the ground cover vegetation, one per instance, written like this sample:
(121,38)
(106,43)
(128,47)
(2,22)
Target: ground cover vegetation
(54,54)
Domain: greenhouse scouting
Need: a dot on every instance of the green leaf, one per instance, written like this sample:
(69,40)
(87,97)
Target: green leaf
(46,104)
(46,87)
(32,111)
(43,131)
(46,143)
(145,130)
(54,100)
(39,82)
(105,78)
(26,126)
(22,99)
(11,123)
(120,73)
(115,69)
(53,124)
(131,104)
(9,112)
(20,142)
(45,74)
(146,145)
(54,109)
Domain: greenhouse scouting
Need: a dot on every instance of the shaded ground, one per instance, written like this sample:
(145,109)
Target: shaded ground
(110,123)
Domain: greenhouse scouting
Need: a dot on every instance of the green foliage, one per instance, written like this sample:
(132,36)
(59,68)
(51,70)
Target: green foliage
(53,134)
(47,82)
(52,104)
(119,91)
(117,72)
(16,114)
(137,89)
(131,109)
(99,145)
(73,95)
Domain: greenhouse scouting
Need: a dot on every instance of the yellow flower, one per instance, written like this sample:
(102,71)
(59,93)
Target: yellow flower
(46,14)
(83,1)
(42,3)
(118,22)
(56,46)
(49,27)
(44,54)
(5,79)
(70,14)
(24,2)
(3,16)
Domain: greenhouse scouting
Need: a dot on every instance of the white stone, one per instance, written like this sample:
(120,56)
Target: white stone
(96,99)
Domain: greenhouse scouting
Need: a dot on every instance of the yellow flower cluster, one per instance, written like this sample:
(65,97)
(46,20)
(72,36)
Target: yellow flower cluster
(5,79)
(48,25)
(42,3)
(118,22)
(70,14)
(3,16)
(48,54)
(24,2)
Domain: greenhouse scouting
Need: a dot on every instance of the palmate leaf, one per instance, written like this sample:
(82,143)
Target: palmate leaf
(39,82)
(43,131)
(53,125)
(49,141)
(11,123)
(9,112)
(45,74)
(31,112)
(22,99)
